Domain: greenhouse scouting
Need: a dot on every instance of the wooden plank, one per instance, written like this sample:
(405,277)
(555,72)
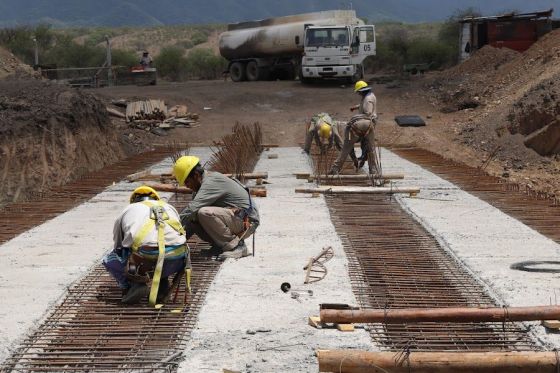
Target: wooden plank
(388,176)
(256,192)
(345,327)
(336,189)
(315,321)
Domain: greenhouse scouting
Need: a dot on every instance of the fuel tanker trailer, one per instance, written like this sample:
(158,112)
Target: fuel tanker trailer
(273,48)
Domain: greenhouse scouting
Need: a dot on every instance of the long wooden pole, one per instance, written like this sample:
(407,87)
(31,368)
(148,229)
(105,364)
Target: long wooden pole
(459,314)
(352,361)
(147,175)
(257,192)
(335,189)
(304,175)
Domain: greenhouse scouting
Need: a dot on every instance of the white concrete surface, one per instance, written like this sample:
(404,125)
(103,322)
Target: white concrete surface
(484,239)
(37,266)
(245,296)
(247,323)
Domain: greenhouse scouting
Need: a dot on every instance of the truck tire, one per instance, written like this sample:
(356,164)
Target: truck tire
(252,71)
(237,72)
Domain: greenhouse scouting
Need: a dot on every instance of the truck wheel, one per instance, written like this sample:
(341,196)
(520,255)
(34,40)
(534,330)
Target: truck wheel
(252,71)
(237,72)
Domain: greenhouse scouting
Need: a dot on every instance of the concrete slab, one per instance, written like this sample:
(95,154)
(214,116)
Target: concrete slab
(484,239)
(37,266)
(246,297)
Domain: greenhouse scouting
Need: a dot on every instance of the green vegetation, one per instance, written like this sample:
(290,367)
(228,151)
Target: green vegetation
(433,43)
(178,54)
(199,64)
(85,47)
(171,63)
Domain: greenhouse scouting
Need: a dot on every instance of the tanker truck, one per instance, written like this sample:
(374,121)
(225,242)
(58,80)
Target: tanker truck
(319,45)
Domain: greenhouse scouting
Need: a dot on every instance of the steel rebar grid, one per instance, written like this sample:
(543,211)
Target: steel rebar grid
(92,331)
(395,263)
(538,210)
(18,217)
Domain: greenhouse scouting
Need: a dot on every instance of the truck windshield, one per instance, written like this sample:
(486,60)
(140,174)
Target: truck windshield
(326,37)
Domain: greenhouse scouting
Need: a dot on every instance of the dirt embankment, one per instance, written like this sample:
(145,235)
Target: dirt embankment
(511,103)
(11,67)
(50,135)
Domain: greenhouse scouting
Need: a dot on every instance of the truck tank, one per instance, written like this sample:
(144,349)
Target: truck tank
(276,36)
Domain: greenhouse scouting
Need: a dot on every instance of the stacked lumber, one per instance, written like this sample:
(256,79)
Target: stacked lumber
(146,110)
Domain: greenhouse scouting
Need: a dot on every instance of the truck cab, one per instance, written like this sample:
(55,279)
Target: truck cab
(336,52)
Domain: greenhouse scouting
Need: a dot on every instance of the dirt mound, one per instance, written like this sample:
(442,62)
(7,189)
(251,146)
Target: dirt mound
(508,93)
(50,135)
(484,61)
(11,66)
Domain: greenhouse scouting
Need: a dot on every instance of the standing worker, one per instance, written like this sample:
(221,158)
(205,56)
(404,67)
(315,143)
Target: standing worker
(360,128)
(221,212)
(149,246)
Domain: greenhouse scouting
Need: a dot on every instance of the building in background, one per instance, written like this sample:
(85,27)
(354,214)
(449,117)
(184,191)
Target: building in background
(514,31)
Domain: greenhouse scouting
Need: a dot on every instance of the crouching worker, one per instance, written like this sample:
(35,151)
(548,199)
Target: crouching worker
(320,130)
(149,246)
(221,212)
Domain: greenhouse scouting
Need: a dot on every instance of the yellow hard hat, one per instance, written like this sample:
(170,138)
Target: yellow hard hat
(183,167)
(359,85)
(325,131)
(144,190)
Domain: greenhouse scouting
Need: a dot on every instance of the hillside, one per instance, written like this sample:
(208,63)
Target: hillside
(146,13)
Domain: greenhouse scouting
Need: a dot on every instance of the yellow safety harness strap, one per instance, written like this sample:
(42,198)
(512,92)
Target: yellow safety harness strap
(158,212)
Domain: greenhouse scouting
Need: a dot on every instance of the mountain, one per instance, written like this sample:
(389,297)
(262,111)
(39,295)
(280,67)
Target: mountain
(163,12)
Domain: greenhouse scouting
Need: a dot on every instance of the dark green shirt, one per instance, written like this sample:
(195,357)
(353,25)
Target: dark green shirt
(219,191)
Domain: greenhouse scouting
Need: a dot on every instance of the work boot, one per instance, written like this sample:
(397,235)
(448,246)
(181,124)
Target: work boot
(362,162)
(212,251)
(239,252)
(135,294)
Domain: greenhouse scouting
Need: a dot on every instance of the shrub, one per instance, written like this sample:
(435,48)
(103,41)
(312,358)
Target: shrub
(122,57)
(199,37)
(171,63)
(204,64)
(67,53)
(430,51)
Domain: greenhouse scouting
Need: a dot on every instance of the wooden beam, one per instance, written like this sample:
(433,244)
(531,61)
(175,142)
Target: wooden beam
(335,189)
(355,361)
(303,175)
(455,314)
(147,175)
(256,192)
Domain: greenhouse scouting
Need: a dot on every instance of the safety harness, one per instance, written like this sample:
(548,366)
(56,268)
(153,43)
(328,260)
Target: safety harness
(159,218)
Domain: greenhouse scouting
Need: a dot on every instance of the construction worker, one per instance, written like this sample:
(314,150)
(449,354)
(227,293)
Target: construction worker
(360,129)
(146,229)
(320,130)
(221,212)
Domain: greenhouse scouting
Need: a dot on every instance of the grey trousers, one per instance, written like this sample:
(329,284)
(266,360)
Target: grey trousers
(218,226)
(350,138)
